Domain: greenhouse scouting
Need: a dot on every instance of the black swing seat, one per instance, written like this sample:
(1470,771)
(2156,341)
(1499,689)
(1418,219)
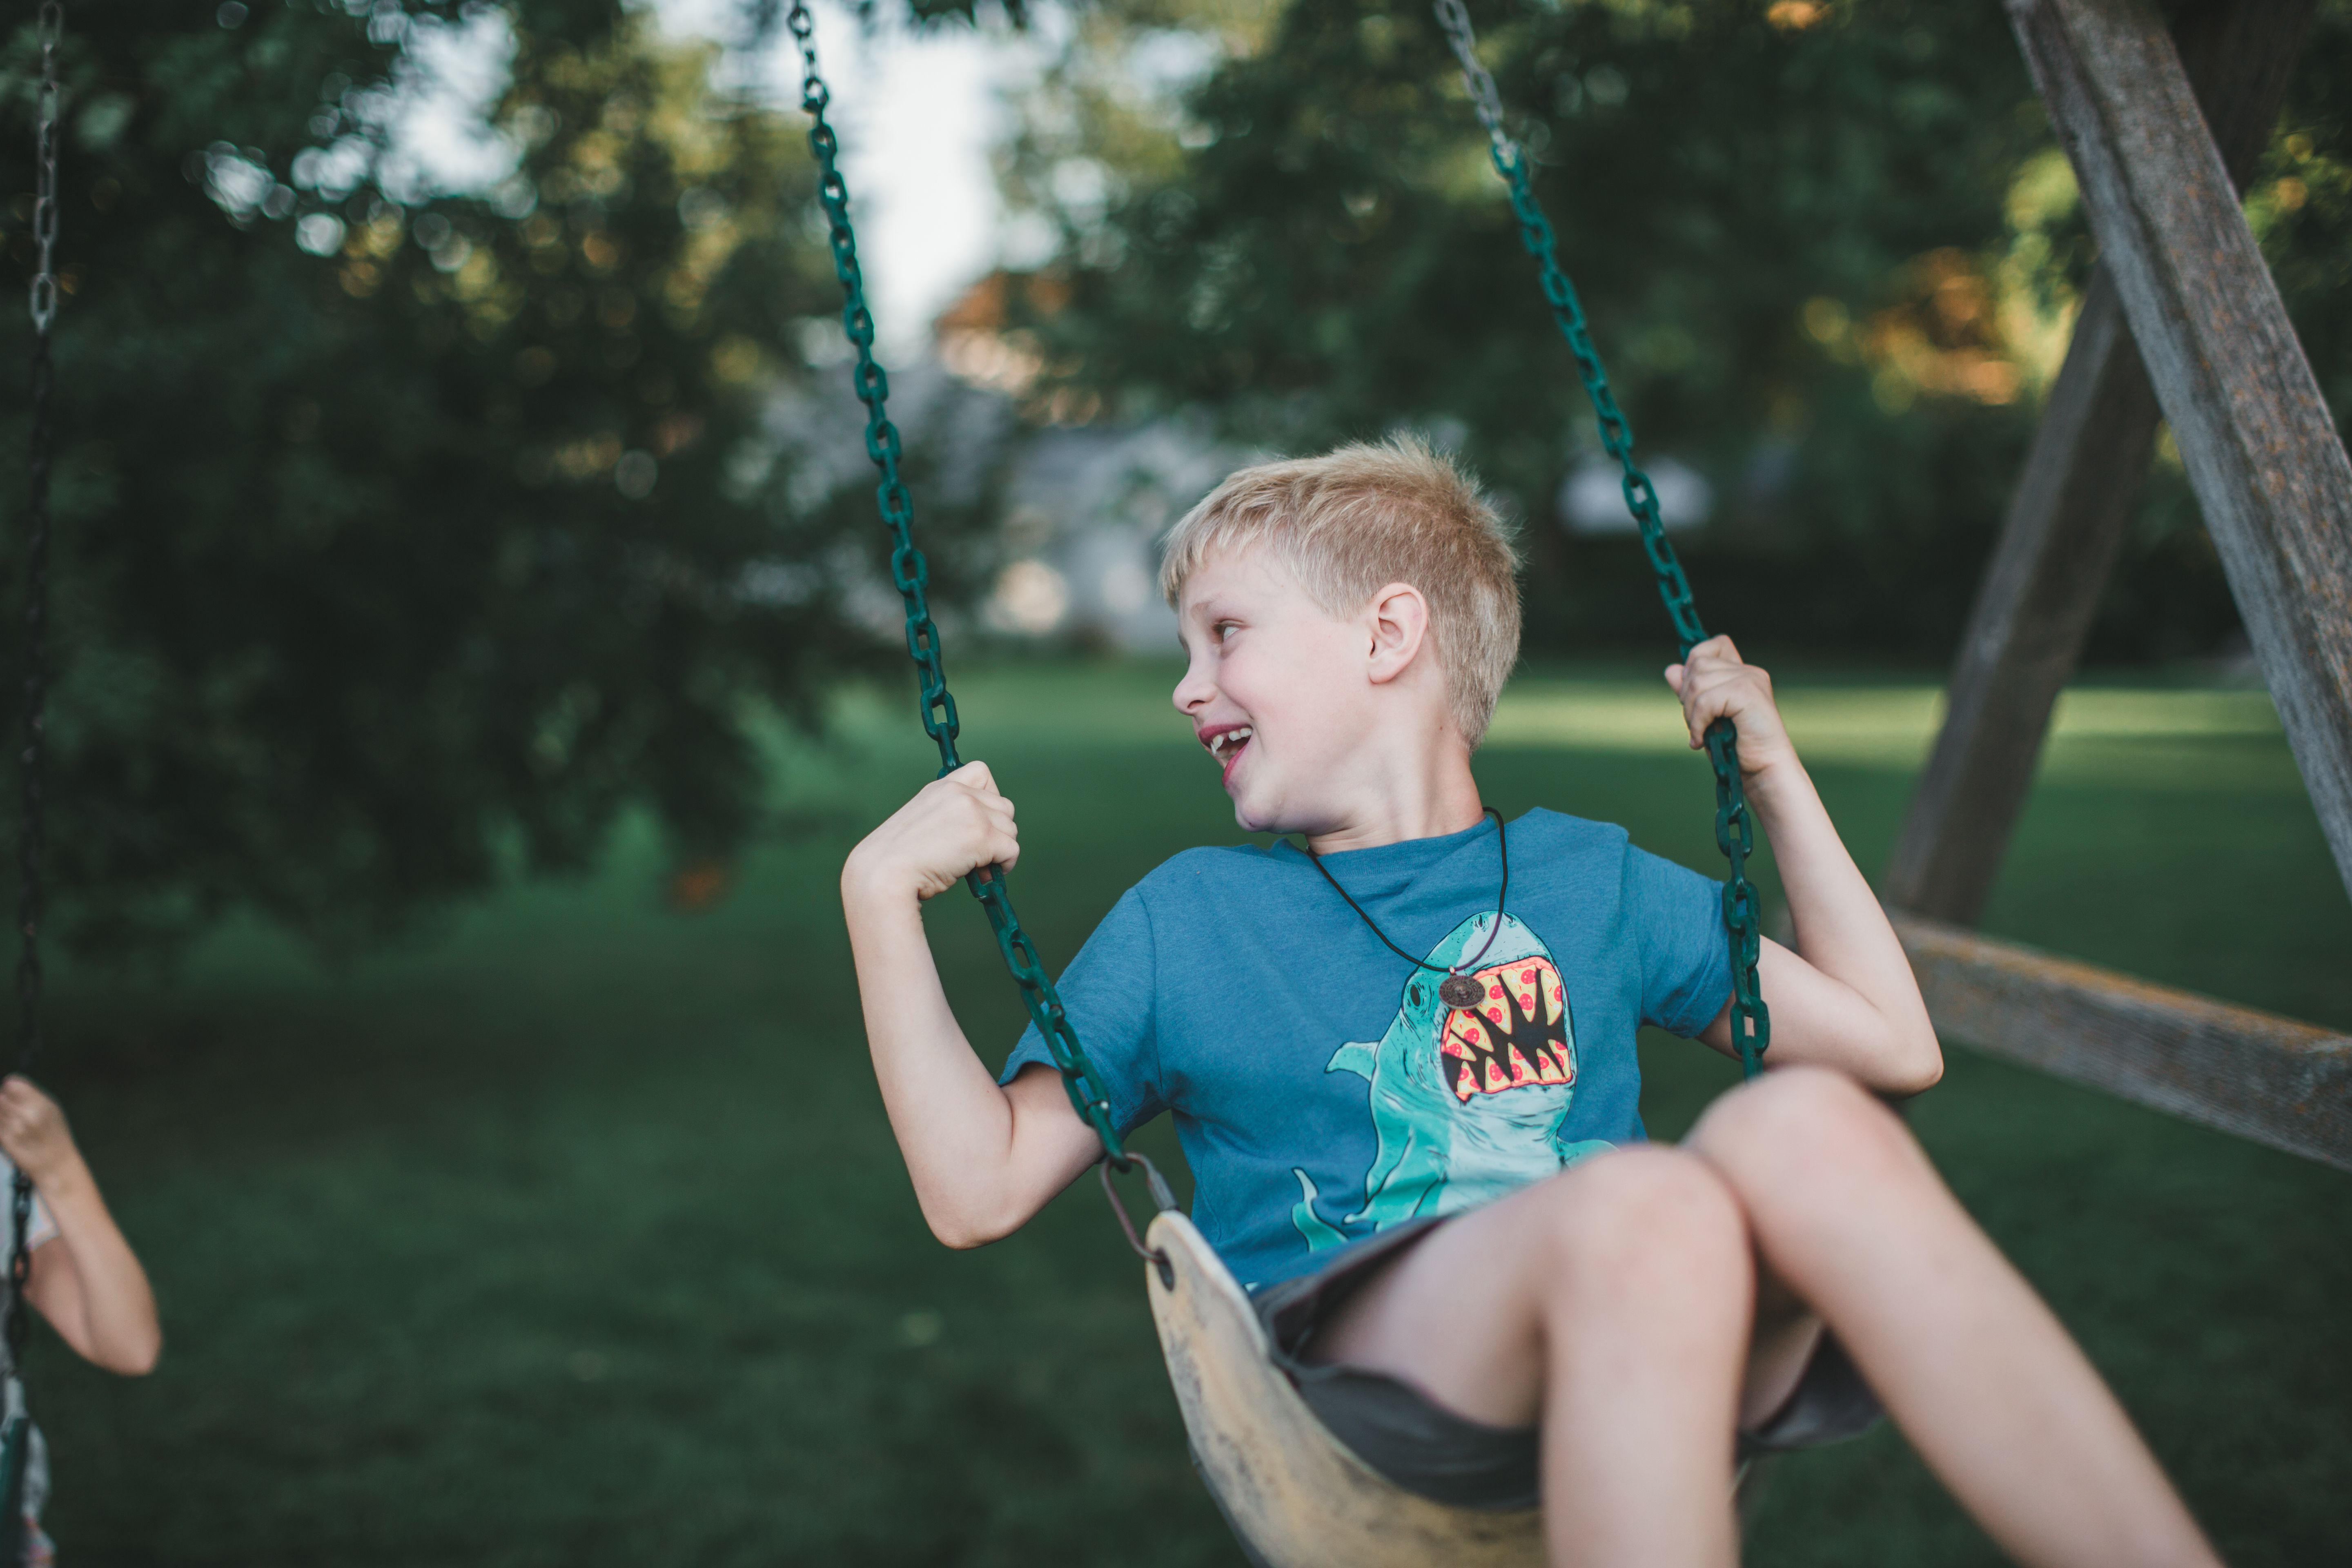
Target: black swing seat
(1295,1496)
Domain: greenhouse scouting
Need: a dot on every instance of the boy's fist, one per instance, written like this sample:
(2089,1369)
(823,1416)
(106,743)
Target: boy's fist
(956,825)
(1716,684)
(33,1132)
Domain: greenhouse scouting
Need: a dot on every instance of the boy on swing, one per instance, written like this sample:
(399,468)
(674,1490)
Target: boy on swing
(1401,1064)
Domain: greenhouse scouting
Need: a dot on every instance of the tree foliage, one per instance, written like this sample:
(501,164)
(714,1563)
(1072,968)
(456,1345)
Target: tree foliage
(405,536)
(1829,249)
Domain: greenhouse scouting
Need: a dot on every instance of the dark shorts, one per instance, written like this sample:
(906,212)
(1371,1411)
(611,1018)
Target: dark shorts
(1431,1451)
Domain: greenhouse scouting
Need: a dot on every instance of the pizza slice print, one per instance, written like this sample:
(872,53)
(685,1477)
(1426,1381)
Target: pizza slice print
(1515,1037)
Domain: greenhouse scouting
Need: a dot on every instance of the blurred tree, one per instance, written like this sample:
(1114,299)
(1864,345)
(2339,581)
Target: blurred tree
(399,530)
(1828,248)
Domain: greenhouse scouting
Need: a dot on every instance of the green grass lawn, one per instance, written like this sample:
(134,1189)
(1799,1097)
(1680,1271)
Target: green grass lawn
(578,1234)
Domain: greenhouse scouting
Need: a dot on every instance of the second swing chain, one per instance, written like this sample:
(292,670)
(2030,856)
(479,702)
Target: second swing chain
(1735,834)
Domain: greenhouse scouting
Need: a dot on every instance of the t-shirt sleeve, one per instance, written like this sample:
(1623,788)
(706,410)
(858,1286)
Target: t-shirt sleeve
(1108,992)
(1685,952)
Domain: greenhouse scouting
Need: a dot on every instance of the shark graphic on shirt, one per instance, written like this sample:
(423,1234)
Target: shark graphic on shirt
(1467,1103)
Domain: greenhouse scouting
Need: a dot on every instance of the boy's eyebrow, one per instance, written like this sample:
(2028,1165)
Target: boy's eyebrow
(1209,604)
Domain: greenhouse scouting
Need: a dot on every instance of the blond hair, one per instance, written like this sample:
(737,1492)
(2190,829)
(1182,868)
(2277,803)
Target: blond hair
(1353,520)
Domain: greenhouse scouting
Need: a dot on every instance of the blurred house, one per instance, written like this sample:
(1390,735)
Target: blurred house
(1086,503)
(1592,497)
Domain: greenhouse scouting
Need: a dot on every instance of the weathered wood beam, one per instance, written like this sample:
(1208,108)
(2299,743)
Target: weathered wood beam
(2273,1079)
(2032,614)
(2255,434)
(2067,521)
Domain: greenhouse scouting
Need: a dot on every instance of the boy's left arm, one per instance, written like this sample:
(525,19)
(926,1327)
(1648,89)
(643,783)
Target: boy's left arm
(1846,997)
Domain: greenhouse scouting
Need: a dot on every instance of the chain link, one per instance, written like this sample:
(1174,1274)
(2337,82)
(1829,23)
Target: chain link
(44,199)
(1752,1022)
(43,306)
(912,576)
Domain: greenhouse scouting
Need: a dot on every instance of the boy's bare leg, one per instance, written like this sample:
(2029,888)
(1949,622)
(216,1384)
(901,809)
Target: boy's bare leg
(1618,1298)
(1976,1370)
(1613,1301)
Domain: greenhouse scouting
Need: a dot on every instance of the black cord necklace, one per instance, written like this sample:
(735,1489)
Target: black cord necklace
(1457,989)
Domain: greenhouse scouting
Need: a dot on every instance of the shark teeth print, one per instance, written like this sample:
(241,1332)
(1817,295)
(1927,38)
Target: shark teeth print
(1515,1037)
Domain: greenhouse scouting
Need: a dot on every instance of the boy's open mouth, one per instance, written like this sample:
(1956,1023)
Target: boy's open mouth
(1226,744)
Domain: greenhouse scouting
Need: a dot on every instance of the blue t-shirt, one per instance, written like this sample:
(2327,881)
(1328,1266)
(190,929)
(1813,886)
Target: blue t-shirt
(1321,1088)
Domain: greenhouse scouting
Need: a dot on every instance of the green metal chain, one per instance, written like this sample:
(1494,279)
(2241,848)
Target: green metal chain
(1752,1022)
(912,576)
(16,1435)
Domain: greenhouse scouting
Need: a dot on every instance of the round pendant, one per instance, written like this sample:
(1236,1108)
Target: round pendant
(1460,991)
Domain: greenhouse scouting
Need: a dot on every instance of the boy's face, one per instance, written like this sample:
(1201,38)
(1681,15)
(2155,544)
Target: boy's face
(1274,689)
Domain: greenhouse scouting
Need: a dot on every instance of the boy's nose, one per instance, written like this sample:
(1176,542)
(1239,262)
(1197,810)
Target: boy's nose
(1192,691)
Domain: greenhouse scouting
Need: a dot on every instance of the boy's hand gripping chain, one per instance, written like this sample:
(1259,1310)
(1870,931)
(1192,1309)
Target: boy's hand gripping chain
(1752,1023)
(910,573)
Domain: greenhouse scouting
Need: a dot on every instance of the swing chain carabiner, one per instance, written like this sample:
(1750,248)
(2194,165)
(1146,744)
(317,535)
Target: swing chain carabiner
(1163,1199)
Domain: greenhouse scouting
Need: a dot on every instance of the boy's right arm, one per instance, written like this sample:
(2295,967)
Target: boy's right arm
(983,1158)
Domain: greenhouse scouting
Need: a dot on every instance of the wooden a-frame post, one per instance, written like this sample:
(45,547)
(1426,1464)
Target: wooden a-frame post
(2181,319)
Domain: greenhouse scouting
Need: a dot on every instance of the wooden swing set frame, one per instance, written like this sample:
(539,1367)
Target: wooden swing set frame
(2183,323)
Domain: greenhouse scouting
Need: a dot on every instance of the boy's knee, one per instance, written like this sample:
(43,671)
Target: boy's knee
(1802,1118)
(1643,1211)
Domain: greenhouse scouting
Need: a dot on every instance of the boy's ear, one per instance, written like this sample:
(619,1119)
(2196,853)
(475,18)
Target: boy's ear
(1398,620)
